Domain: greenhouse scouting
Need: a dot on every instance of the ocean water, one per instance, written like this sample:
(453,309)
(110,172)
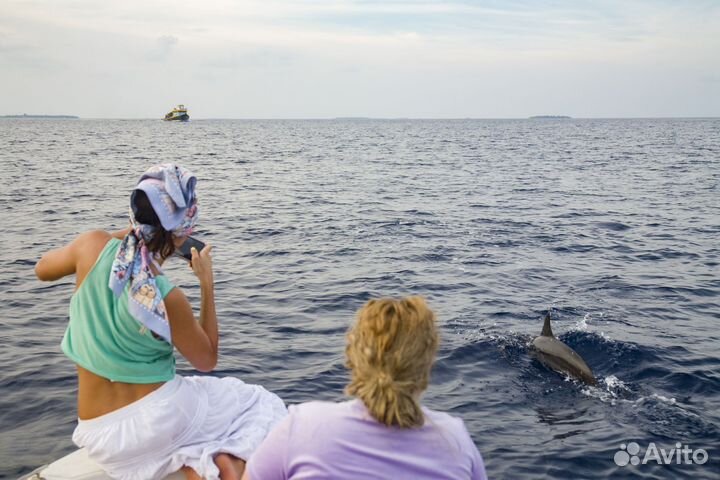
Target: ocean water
(614,225)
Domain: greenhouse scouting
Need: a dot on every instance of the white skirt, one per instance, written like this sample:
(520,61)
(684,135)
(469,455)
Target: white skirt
(186,422)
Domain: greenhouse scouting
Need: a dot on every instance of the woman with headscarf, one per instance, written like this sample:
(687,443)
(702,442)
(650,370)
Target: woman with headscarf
(136,417)
(384,432)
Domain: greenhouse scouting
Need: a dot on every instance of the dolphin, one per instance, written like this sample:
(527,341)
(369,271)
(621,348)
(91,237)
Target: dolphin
(557,356)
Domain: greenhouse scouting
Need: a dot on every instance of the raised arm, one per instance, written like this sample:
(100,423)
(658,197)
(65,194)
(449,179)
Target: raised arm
(196,341)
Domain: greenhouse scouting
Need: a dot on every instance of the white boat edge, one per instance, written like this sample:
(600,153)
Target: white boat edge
(77,466)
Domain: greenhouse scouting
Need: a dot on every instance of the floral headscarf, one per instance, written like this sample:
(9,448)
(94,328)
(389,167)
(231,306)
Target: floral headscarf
(171,191)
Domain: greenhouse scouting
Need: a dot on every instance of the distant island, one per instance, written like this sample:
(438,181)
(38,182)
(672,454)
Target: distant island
(545,117)
(25,115)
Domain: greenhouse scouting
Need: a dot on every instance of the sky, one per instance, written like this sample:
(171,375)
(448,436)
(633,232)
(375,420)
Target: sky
(342,58)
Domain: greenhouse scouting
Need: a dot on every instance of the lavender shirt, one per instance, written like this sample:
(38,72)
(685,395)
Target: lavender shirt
(322,440)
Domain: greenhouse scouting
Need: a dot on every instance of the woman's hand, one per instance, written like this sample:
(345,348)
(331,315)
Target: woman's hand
(201,265)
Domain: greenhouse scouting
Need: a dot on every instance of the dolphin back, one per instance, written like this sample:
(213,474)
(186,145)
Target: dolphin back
(557,356)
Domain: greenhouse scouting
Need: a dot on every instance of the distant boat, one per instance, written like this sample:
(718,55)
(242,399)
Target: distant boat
(178,113)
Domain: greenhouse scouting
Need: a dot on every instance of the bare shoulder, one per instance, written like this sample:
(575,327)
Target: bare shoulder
(178,308)
(88,246)
(176,295)
(91,243)
(93,237)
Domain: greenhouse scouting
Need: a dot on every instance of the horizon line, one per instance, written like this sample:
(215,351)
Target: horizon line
(351,117)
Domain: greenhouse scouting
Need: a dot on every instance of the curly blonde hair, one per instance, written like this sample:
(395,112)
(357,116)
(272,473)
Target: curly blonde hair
(390,351)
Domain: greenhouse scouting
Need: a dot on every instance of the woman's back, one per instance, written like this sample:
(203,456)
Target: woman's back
(104,338)
(329,440)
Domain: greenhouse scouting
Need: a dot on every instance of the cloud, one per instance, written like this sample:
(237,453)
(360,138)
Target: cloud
(242,57)
(18,55)
(164,45)
(309,57)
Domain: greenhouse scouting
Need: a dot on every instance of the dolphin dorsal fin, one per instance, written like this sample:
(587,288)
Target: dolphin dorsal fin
(547,330)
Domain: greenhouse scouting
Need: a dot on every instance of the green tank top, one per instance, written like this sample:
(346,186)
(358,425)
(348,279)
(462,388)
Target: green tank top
(103,337)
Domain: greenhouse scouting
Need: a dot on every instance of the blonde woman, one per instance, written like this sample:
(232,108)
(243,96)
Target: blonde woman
(384,432)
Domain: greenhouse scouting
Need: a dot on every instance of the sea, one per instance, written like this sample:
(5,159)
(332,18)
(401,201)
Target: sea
(611,225)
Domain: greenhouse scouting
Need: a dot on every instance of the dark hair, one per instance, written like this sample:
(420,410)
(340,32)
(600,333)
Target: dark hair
(162,242)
